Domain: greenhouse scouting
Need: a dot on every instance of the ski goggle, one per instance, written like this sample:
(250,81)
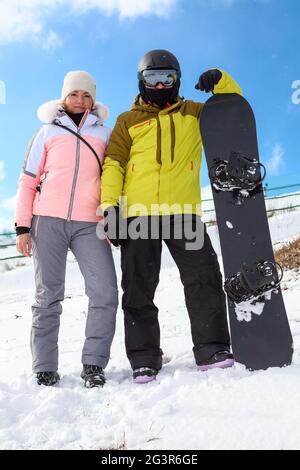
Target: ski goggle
(152,77)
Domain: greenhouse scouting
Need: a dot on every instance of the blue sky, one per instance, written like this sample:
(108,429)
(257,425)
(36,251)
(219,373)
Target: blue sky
(254,40)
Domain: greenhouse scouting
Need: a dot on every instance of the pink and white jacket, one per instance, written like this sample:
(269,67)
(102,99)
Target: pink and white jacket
(63,167)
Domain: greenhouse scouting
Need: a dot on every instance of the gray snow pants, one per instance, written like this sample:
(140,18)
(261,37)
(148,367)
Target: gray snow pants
(51,239)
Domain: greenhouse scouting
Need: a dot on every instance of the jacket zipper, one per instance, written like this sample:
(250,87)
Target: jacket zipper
(173,138)
(74,177)
(143,124)
(158,150)
(158,155)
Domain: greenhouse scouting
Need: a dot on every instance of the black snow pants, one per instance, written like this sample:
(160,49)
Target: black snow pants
(204,297)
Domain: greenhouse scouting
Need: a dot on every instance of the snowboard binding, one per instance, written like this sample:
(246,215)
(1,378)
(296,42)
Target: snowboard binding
(253,282)
(237,174)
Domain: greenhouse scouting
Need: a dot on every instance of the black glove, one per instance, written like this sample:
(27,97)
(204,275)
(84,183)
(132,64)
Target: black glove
(208,80)
(113,227)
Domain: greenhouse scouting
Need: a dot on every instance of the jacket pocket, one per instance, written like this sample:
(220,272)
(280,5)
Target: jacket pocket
(41,183)
(192,169)
(130,174)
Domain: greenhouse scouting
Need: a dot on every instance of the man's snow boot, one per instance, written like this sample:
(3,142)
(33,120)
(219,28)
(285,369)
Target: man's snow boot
(219,360)
(143,375)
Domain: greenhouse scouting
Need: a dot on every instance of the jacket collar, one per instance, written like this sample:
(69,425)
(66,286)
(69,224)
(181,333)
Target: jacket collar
(140,105)
(89,119)
(53,110)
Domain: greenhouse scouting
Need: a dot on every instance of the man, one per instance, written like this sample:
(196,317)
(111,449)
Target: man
(153,162)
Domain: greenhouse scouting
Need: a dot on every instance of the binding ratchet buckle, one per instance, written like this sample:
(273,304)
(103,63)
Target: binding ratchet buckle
(252,282)
(238,173)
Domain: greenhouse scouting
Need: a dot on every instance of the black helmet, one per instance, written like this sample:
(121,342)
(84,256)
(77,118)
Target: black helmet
(158,59)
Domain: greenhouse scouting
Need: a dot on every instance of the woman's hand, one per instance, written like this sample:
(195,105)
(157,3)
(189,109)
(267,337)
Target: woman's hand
(24,245)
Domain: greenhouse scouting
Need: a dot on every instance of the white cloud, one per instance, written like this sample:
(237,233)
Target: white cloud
(275,163)
(6,224)
(30,19)
(7,209)
(125,8)
(2,171)
(51,41)
(10,203)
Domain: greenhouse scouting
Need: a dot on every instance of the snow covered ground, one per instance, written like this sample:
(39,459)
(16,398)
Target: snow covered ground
(183,409)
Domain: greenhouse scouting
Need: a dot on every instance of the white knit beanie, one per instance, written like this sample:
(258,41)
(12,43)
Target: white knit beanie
(78,80)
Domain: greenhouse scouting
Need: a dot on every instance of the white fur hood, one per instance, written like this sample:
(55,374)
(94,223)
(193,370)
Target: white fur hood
(52,109)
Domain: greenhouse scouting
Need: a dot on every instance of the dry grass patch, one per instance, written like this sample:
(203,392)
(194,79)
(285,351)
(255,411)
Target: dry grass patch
(289,255)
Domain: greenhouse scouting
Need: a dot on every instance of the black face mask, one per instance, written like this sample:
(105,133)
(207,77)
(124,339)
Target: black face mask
(161,97)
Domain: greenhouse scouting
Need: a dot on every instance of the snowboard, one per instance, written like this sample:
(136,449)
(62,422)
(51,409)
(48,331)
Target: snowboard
(260,333)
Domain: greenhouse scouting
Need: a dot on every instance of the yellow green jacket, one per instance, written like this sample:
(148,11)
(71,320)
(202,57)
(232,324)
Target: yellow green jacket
(153,159)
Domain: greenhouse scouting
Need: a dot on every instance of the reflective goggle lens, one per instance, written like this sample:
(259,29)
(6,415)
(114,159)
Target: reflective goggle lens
(153,77)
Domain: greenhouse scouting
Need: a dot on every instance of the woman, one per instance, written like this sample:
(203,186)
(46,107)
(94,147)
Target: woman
(57,202)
